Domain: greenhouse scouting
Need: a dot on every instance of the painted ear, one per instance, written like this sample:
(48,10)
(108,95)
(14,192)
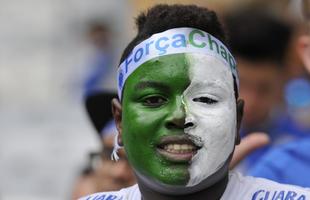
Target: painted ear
(117,114)
(240,106)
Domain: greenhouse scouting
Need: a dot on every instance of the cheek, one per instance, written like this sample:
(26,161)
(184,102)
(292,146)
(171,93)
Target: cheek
(141,126)
(216,124)
(135,129)
(213,115)
(140,121)
(216,128)
(219,125)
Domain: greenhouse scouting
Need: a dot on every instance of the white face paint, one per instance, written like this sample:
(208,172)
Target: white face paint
(211,108)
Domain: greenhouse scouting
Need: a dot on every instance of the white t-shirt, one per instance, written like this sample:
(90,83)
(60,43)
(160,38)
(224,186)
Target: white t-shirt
(239,188)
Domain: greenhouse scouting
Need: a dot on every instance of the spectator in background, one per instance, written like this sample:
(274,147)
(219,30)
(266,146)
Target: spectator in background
(101,64)
(297,90)
(101,173)
(259,41)
(99,81)
(290,163)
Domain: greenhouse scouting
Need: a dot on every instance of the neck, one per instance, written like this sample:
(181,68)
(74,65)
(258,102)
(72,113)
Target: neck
(213,192)
(212,188)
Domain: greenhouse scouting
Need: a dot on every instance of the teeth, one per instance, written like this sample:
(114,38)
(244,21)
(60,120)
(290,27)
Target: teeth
(179,148)
(186,147)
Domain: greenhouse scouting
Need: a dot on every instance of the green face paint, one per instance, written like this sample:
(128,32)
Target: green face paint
(152,105)
(179,118)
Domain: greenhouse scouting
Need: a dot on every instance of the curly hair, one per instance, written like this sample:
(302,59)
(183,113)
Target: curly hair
(163,17)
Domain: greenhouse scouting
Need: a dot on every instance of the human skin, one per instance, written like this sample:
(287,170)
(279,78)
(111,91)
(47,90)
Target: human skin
(145,123)
(211,110)
(154,112)
(260,87)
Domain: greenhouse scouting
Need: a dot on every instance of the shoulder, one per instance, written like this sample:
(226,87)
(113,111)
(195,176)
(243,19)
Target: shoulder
(247,187)
(130,193)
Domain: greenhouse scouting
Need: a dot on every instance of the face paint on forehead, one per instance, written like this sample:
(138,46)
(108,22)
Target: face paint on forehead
(208,70)
(210,115)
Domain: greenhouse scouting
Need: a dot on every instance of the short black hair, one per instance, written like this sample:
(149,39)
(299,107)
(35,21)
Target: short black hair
(163,17)
(258,35)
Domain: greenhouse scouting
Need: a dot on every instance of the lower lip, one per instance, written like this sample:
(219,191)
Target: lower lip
(176,157)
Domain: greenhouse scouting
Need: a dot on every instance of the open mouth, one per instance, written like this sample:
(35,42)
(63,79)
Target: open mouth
(177,148)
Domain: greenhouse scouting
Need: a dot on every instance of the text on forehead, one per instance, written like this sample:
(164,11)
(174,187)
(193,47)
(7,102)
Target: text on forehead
(175,41)
(195,38)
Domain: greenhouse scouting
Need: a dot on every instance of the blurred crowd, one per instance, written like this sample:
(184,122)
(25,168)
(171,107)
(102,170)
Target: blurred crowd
(269,41)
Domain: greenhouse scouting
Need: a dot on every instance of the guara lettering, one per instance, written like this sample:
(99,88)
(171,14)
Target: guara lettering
(277,195)
(104,197)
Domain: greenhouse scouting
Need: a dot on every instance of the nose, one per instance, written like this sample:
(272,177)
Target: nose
(189,125)
(176,118)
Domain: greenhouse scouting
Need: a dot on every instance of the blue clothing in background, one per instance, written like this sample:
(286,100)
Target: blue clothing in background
(288,163)
(99,70)
(287,158)
(282,130)
(275,129)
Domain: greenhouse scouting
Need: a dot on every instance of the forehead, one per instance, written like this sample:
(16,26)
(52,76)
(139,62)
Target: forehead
(168,66)
(206,68)
(161,72)
(182,69)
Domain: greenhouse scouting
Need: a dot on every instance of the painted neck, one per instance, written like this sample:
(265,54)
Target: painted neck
(213,192)
(211,189)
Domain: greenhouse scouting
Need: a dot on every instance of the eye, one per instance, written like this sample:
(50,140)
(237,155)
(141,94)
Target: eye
(154,101)
(206,100)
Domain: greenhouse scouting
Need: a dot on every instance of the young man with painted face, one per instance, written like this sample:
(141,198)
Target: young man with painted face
(178,112)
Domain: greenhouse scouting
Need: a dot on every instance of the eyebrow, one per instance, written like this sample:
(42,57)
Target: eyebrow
(210,84)
(150,84)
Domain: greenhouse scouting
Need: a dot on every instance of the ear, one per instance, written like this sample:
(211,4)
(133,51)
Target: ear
(240,106)
(303,49)
(117,114)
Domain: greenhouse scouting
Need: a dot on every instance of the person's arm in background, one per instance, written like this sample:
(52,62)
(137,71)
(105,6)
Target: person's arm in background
(248,144)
